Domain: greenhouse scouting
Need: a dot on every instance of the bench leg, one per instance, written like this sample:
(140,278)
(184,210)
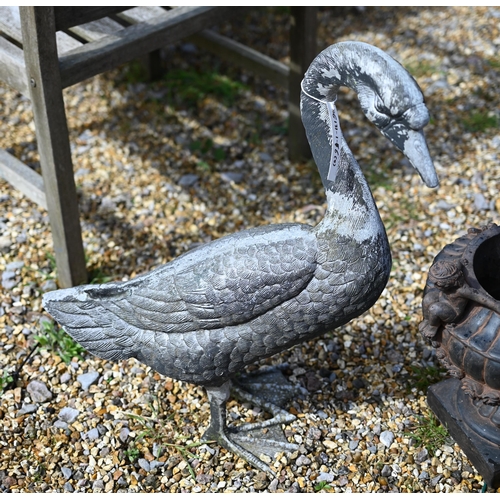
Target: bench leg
(53,143)
(302,52)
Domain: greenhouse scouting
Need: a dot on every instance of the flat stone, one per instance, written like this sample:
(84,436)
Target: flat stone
(188,180)
(435,480)
(68,415)
(325,476)
(68,487)
(386,470)
(421,456)
(144,464)
(302,460)
(13,266)
(480,202)
(49,286)
(98,484)
(38,392)
(5,243)
(154,464)
(423,476)
(231,177)
(66,472)
(27,408)
(87,379)
(387,438)
(92,434)
(124,432)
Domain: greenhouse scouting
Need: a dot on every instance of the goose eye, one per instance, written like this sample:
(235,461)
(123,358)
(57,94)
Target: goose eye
(380,106)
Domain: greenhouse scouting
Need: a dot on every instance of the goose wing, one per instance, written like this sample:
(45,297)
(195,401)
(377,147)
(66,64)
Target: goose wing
(224,283)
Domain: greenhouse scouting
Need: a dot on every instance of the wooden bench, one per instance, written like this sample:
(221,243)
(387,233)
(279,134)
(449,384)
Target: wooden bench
(46,49)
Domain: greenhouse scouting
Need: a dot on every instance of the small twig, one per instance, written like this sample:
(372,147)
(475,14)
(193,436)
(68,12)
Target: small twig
(17,371)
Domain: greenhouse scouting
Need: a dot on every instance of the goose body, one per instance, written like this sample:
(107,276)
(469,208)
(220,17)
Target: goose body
(204,316)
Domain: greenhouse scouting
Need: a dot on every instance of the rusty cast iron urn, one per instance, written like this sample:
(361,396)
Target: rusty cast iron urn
(461,308)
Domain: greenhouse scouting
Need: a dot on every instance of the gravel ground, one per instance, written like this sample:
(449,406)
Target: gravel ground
(159,172)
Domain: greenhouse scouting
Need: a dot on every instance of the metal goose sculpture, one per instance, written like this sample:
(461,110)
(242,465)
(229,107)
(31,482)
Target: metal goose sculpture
(207,314)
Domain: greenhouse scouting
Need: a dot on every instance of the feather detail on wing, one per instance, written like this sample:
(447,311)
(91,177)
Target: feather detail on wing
(224,283)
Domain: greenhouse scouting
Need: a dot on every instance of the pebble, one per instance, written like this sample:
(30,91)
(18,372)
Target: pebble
(302,460)
(325,476)
(87,379)
(68,487)
(124,433)
(92,434)
(98,484)
(66,472)
(273,485)
(68,415)
(387,438)
(236,177)
(421,456)
(480,202)
(49,286)
(188,180)
(5,243)
(26,409)
(144,464)
(435,480)
(14,266)
(39,392)
(386,470)
(423,476)
(9,280)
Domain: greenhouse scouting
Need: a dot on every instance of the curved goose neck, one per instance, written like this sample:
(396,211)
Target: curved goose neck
(349,197)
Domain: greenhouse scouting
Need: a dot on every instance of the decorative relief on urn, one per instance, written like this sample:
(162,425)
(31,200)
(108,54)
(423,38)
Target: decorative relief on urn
(461,309)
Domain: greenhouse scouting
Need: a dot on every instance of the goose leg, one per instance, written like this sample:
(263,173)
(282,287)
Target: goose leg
(235,438)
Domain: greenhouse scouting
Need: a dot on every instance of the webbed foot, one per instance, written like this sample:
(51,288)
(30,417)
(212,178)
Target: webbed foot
(252,440)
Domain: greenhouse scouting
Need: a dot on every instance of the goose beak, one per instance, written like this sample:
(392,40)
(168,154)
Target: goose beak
(413,145)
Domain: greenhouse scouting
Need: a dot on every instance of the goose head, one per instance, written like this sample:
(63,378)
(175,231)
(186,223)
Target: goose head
(389,96)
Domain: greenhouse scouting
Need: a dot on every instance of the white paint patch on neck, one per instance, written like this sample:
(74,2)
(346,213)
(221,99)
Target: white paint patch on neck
(348,218)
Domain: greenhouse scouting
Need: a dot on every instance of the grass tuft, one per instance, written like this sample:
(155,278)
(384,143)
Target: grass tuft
(428,433)
(58,341)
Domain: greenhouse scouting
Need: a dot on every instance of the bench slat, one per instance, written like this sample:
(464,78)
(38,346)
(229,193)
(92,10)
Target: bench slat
(96,57)
(95,30)
(141,14)
(10,24)
(67,17)
(242,55)
(22,178)
(12,67)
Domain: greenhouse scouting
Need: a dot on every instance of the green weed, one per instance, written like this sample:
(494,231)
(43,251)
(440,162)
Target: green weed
(132,453)
(422,377)
(208,150)
(39,473)
(6,380)
(190,86)
(96,276)
(480,121)
(494,63)
(57,340)
(153,430)
(421,68)
(135,72)
(322,485)
(428,433)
